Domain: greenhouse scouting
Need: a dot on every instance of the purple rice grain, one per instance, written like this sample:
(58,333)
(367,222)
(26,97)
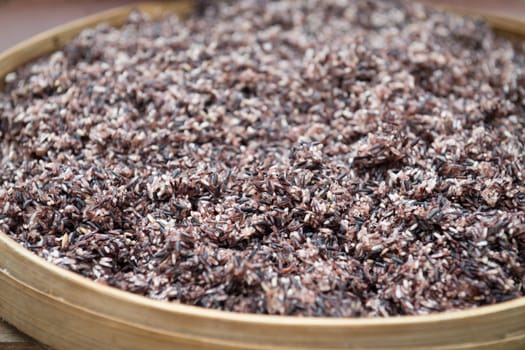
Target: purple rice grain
(310,158)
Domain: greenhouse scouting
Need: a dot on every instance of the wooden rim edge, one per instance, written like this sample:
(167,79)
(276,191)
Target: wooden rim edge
(514,25)
(186,335)
(251,344)
(61,34)
(28,257)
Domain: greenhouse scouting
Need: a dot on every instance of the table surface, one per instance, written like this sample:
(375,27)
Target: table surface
(11,339)
(20,15)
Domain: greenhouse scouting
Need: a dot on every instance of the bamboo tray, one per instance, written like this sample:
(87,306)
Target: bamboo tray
(66,311)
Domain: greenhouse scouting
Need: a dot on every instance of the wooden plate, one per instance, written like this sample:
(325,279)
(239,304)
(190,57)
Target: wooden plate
(66,311)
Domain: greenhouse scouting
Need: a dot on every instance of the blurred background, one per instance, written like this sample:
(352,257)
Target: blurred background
(20,19)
